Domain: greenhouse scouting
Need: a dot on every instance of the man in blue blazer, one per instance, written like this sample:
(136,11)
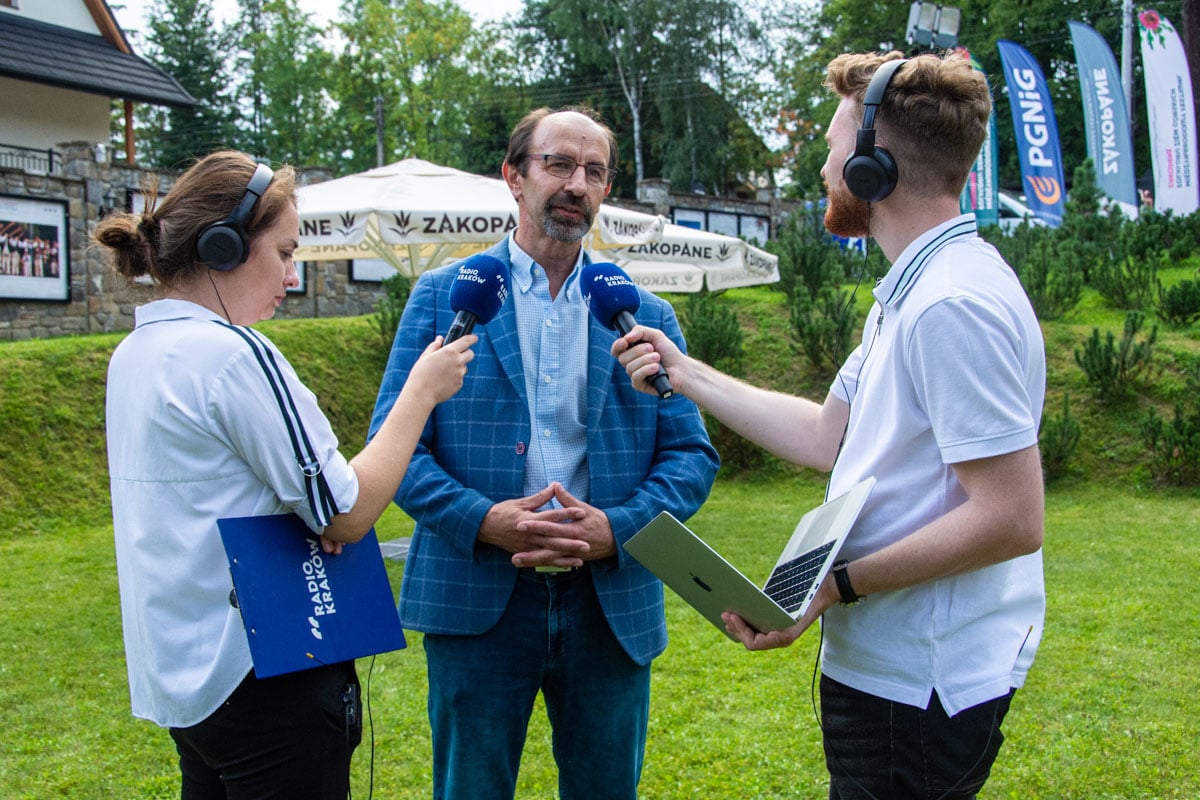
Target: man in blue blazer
(524,486)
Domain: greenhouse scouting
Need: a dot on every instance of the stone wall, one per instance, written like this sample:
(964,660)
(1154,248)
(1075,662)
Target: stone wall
(100,301)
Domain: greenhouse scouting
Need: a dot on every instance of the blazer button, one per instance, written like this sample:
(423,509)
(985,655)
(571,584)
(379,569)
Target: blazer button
(520,448)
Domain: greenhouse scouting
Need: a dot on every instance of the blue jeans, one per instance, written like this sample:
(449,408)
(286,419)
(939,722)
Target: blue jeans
(288,737)
(553,637)
(876,748)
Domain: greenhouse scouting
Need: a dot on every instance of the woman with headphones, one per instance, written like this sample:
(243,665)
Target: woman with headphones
(195,433)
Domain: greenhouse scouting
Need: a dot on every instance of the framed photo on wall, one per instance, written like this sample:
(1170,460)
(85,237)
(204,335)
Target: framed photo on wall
(34,249)
(370,270)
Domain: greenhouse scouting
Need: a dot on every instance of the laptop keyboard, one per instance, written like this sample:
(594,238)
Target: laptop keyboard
(791,580)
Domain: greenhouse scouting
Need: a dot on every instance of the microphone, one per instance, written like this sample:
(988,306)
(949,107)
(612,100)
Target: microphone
(477,294)
(613,298)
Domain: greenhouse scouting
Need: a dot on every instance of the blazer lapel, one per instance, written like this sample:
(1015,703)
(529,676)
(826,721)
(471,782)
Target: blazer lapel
(503,332)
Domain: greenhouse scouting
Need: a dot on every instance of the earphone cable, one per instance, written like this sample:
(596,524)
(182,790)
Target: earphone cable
(218,294)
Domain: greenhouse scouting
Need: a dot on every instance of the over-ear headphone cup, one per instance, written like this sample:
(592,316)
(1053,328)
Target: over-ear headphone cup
(870,177)
(221,246)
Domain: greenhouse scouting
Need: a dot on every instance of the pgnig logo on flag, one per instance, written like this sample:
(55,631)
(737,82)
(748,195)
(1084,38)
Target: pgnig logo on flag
(1045,188)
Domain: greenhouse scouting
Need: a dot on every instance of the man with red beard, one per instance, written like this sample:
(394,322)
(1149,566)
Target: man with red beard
(930,621)
(524,490)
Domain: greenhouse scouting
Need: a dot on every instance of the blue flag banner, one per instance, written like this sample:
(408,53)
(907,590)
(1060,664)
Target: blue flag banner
(1036,133)
(982,189)
(1105,117)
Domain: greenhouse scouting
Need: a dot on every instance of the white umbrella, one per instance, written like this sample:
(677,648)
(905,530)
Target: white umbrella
(417,215)
(686,259)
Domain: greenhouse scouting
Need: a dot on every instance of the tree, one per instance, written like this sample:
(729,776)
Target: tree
(285,71)
(660,71)
(414,55)
(607,37)
(708,97)
(185,43)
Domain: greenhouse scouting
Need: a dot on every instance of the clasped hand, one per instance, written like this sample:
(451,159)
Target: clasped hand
(554,537)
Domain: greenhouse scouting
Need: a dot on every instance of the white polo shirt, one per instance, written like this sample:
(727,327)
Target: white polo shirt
(195,434)
(951,368)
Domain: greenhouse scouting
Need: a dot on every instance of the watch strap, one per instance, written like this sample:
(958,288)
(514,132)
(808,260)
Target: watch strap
(848,596)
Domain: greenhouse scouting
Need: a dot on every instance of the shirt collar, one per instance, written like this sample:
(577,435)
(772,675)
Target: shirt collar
(521,269)
(904,273)
(169,309)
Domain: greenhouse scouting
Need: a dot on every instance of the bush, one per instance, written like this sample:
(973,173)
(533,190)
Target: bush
(1054,284)
(713,332)
(1129,280)
(808,259)
(390,307)
(1089,228)
(823,328)
(1111,369)
(714,335)
(1175,448)
(1179,305)
(1059,438)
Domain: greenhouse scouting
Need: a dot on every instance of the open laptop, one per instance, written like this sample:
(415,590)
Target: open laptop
(303,608)
(711,585)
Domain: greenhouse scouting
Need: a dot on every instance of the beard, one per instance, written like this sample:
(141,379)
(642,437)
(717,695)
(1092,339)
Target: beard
(847,215)
(567,230)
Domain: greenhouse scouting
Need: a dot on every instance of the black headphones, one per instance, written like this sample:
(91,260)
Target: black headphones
(224,245)
(870,172)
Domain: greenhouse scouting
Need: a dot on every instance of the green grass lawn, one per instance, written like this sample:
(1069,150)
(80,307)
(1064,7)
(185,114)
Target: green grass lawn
(1108,711)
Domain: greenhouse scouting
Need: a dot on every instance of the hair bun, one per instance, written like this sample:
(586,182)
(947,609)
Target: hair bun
(148,227)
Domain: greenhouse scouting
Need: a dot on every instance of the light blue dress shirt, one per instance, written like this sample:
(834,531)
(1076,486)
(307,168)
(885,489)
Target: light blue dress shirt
(554,350)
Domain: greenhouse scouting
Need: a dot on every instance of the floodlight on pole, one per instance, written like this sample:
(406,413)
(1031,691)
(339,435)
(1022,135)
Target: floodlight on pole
(932,25)
(946,28)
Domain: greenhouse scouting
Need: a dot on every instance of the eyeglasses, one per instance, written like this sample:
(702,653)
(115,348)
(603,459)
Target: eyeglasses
(565,166)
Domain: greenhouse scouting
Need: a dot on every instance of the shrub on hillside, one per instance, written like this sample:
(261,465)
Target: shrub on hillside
(1054,283)
(823,328)
(1129,280)
(807,259)
(1174,446)
(1111,368)
(390,307)
(1179,305)
(713,332)
(1058,440)
(1090,225)
(714,335)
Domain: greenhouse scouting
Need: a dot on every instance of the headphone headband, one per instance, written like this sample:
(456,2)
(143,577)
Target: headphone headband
(259,182)
(873,98)
(224,245)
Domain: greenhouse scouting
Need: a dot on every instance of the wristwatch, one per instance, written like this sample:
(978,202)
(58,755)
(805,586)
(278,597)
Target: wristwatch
(842,578)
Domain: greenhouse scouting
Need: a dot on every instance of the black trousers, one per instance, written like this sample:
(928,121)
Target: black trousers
(876,749)
(290,736)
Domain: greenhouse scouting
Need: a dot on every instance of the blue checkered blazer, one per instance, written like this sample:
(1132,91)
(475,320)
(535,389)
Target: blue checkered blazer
(645,455)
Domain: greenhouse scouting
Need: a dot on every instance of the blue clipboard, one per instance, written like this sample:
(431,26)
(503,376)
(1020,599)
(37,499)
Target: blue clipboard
(301,607)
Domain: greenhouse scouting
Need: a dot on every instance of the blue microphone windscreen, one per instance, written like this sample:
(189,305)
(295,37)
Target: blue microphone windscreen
(480,287)
(608,291)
